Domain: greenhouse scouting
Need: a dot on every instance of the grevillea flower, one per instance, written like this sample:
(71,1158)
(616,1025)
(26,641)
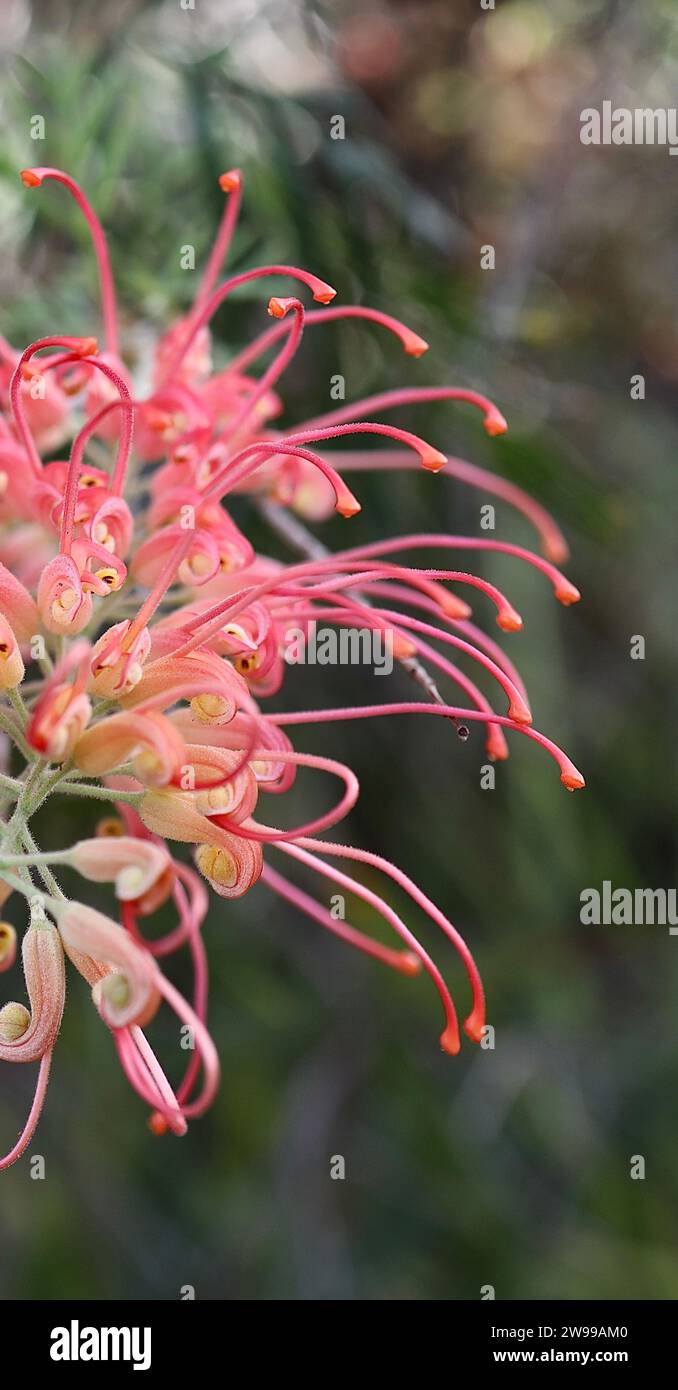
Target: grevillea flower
(141,637)
(29,1034)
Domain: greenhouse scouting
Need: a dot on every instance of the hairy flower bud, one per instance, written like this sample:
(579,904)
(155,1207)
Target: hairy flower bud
(123,975)
(232,867)
(133,865)
(14,1021)
(43,963)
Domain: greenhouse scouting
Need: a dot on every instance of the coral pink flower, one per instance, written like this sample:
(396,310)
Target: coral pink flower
(132,865)
(29,1034)
(62,709)
(142,637)
(43,962)
(17,606)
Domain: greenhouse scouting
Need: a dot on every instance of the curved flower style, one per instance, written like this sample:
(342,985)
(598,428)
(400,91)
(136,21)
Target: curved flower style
(141,635)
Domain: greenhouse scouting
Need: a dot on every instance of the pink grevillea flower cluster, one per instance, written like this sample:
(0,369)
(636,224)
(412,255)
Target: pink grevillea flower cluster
(140,637)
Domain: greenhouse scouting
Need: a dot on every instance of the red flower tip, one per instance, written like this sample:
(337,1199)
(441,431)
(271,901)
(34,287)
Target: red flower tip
(454,607)
(157,1124)
(432,459)
(572,779)
(567,593)
(86,347)
(323,293)
(277,308)
(449,1041)
(508,620)
(230,181)
(497,747)
(473,1026)
(30,178)
(494,422)
(408,963)
(348,506)
(403,649)
(414,345)
(555,549)
(520,712)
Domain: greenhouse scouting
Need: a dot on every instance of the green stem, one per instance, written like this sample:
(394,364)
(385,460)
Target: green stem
(35,856)
(45,873)
(25,886)
(16,700)
(100,793)
(11,785)
(10,727)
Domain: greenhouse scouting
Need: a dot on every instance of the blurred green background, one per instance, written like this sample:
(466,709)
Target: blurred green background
(509,1167)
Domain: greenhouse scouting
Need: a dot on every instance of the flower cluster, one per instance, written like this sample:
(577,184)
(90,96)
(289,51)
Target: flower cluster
(140,634)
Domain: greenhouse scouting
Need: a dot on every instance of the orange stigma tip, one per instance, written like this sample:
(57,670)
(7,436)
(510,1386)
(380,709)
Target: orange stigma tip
(473,1028)
(230,181)
(415,346)
(87,347)
(572,780)
(324,294)
(495,423)
(277,308)
(449,1041)
(433,460)
(402,649)
(520,714)
(567,594)
(409,964)
(157,1124)
(498,752)
(30,179)
(556,551)
(454,607)
(509,621)
(348,508)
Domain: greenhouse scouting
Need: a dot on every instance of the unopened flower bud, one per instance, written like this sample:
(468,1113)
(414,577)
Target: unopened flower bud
(211,709)
(14,1020)
(26,1035)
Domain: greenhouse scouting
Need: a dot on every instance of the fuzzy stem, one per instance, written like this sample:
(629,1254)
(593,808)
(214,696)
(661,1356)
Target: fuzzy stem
(100,793)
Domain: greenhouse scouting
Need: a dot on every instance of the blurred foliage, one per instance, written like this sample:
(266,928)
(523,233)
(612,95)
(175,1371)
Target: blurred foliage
(509,1167)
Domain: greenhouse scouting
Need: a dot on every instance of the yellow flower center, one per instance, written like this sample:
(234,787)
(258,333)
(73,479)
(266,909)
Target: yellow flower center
(217,865)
